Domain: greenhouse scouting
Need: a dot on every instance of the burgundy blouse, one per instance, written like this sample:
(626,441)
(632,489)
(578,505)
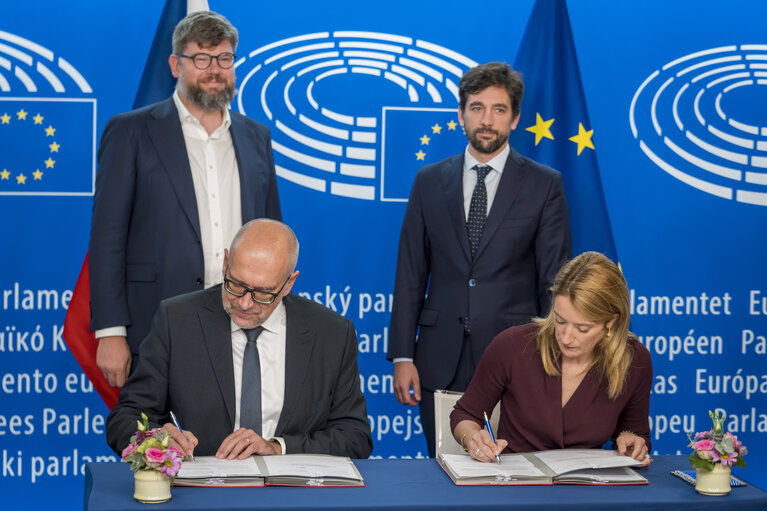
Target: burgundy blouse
(532,417)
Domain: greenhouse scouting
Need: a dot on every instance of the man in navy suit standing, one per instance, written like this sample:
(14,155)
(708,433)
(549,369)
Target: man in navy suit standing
(176,180)
(484,234)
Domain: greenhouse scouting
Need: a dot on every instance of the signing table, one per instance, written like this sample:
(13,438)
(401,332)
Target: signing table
(404,485)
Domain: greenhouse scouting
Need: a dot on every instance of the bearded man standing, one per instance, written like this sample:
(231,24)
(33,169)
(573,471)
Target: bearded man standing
(175,182)
(484,234)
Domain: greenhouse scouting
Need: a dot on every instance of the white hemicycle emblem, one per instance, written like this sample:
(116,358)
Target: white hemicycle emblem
(701,119)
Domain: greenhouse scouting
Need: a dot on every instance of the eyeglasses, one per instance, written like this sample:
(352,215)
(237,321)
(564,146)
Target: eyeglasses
(258,295)
(202,60)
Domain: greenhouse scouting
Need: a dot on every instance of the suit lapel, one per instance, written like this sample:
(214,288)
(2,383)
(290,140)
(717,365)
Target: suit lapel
(168,139)
(299,342)
(244,156)
(452,186)
(217,335)
(508,188)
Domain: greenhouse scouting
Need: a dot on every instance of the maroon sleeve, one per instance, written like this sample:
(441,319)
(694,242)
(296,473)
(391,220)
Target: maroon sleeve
(634,416)
(490,380)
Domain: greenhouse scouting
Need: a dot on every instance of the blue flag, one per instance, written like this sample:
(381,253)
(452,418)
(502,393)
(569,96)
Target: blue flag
(554,126)
(157,82)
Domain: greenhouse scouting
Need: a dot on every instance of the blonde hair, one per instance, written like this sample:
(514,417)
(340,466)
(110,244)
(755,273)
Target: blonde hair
(597,289)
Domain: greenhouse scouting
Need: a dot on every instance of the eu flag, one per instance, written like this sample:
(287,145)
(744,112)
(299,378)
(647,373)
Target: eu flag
(554,126)
(412,138)
(47,146)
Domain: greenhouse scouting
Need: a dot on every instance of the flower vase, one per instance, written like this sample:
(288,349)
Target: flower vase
(713,482)
(152,487)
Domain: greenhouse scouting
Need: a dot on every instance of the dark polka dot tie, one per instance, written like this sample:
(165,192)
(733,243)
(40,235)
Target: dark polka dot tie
(478,208)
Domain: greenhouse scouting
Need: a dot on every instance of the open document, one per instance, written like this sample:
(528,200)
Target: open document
(288,470)
(561,466)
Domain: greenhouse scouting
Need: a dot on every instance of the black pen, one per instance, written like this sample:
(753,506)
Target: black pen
(173,418)
(492,436)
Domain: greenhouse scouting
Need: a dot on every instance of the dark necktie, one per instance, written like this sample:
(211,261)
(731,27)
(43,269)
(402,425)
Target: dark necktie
(478,208)
(250,393)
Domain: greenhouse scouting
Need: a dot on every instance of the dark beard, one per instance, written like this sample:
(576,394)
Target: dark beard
(489,146)
(213,101)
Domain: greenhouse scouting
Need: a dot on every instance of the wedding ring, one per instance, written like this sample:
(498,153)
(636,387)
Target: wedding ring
(476,453)
(248,440)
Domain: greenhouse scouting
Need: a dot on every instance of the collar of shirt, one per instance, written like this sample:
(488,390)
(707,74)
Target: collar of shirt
(497,163)
(274,323)
(186,118)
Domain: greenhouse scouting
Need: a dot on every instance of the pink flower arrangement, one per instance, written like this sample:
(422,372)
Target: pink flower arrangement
(716,446)
(149,450)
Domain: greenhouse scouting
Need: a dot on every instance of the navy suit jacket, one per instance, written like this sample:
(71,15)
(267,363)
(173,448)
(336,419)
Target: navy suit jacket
(525,241)
(145,241)
(185,365)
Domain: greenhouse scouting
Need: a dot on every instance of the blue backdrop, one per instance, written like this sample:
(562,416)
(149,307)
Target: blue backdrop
(676,97)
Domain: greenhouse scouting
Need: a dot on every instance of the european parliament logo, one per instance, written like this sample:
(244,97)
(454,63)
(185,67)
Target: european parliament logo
(702,119)
(354,114)
(47,144)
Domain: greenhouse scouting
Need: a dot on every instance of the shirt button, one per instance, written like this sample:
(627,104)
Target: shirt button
(472,282)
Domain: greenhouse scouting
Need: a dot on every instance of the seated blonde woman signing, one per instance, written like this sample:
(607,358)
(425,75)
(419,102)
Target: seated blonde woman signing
(571,380)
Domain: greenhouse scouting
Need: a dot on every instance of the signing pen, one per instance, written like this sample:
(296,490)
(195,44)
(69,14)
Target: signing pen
(492,436)
(191,456)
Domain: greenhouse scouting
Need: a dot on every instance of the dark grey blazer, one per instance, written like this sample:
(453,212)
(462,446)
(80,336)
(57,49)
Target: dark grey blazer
(145,233)
(524,243)
(185,365)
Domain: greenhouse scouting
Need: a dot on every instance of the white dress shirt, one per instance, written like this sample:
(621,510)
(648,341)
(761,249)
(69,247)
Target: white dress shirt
(216,187)
(491,180)
(216,181)
(271,353)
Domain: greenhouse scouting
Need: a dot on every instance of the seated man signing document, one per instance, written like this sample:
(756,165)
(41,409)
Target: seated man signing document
(247,367)
(573,379)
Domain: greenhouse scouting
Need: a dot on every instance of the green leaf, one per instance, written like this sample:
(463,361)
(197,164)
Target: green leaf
(698,462)
(740,463)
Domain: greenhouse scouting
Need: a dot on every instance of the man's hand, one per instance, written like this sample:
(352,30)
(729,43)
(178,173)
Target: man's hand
(186,441)
(244,442)
(113,358)
(405,377)
(632,445)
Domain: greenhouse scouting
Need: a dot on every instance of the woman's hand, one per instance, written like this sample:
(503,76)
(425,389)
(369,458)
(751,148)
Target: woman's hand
(478,442)
(632,445)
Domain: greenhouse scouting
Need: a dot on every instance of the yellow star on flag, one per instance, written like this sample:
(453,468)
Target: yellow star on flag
(22,115)
(541,128)
(54,147)
(451,125)
(21,179)
(583,138)
(5,174)
(425,140)
(436,129)
(49,131)
(6,119)
(420,155)
(38,119)
(38,175)
(49,163)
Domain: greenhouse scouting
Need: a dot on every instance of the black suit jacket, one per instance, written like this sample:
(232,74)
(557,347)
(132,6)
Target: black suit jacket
(145,241)
(525,241)
(185,365)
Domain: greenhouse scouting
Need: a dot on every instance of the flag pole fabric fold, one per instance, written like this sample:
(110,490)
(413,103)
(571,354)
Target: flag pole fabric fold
(554,126)
(157,83)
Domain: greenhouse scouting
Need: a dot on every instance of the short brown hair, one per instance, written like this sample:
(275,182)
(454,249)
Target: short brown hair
(493,74)
(206,28)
